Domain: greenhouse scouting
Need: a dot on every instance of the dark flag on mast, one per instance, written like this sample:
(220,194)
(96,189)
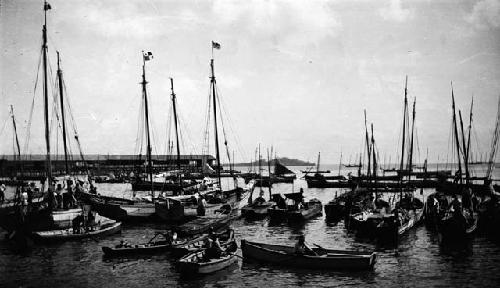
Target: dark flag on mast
(215,45)
(148,56)
(46,6)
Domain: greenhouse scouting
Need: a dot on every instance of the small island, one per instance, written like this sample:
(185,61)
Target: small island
(283,160)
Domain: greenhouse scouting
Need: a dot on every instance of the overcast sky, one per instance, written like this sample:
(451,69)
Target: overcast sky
(292,74)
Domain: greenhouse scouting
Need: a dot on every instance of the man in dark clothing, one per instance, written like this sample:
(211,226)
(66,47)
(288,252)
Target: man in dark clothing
(2,193)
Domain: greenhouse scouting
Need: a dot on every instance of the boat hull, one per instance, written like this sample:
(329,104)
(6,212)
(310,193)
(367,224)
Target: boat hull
(284,256)
(191,264)
(68,235)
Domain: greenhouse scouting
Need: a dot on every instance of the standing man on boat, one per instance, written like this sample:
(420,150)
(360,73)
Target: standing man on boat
(202,203)
(2,193)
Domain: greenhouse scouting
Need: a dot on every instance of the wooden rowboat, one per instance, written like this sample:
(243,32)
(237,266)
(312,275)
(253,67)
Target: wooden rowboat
(147,248)
(108,228)
(256,210)
(197,243)
(203,224)
(195,263)
(327,259)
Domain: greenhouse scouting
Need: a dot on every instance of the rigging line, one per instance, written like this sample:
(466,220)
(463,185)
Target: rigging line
(230,126)
(418,145)
(186,134)
(73,124)
(206,132)
(184,128)
(28,126)
(136,142)
(4,124)
(494,144)
(169,128)
(223,128)
(140,131)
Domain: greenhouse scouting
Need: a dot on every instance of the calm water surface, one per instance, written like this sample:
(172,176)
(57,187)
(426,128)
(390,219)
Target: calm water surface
(420,261)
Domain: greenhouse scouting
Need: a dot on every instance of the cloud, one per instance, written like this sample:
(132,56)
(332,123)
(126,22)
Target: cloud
(286,22)
(395,12)
(485,14)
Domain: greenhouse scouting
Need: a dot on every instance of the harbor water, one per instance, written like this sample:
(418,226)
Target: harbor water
(417,261)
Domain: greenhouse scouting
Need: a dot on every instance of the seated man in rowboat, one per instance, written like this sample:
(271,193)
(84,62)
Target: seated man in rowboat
(259,200)
(214,250)
(301,247)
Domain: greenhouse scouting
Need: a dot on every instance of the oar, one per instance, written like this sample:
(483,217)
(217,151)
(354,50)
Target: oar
(320,247)
(156,235)
(235,255)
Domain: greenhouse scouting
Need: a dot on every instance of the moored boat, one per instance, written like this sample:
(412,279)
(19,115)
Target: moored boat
(296,209)
(256,210)
(198,262)
(327,259)
(107,228)
(203,224)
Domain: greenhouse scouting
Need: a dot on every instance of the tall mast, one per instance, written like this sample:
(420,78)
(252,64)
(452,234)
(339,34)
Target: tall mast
(15,133)
(214,99)
(317,166)
(48,164)
(269,170)
(368,150)
(410,158)
(374,158)
(466,164)
(175,121)
(457,142)
(340,163)
(61,97)
(17,140)
(467,155)
(146,112)
(260,165)
(405,108)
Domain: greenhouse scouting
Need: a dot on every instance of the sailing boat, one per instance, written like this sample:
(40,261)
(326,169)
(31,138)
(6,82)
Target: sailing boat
(50,213)
(281,173)
(178,185)
(232,195)
(489,210)
(257,208)
(131,209)
(318,180)
(216,197)
(317,167)
(408,210)
(458,222)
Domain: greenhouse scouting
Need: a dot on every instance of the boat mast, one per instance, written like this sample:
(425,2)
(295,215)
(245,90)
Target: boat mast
(146,114)
(269,170)
(175,121)
(317,165)
(368,150)
(374,159)
(494,146)
(467,155)
(214,99)
(466,164)
(410,158)
(405,108)
(340,163)
(15,133)
(46,6)
(61,97)
(457,142)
